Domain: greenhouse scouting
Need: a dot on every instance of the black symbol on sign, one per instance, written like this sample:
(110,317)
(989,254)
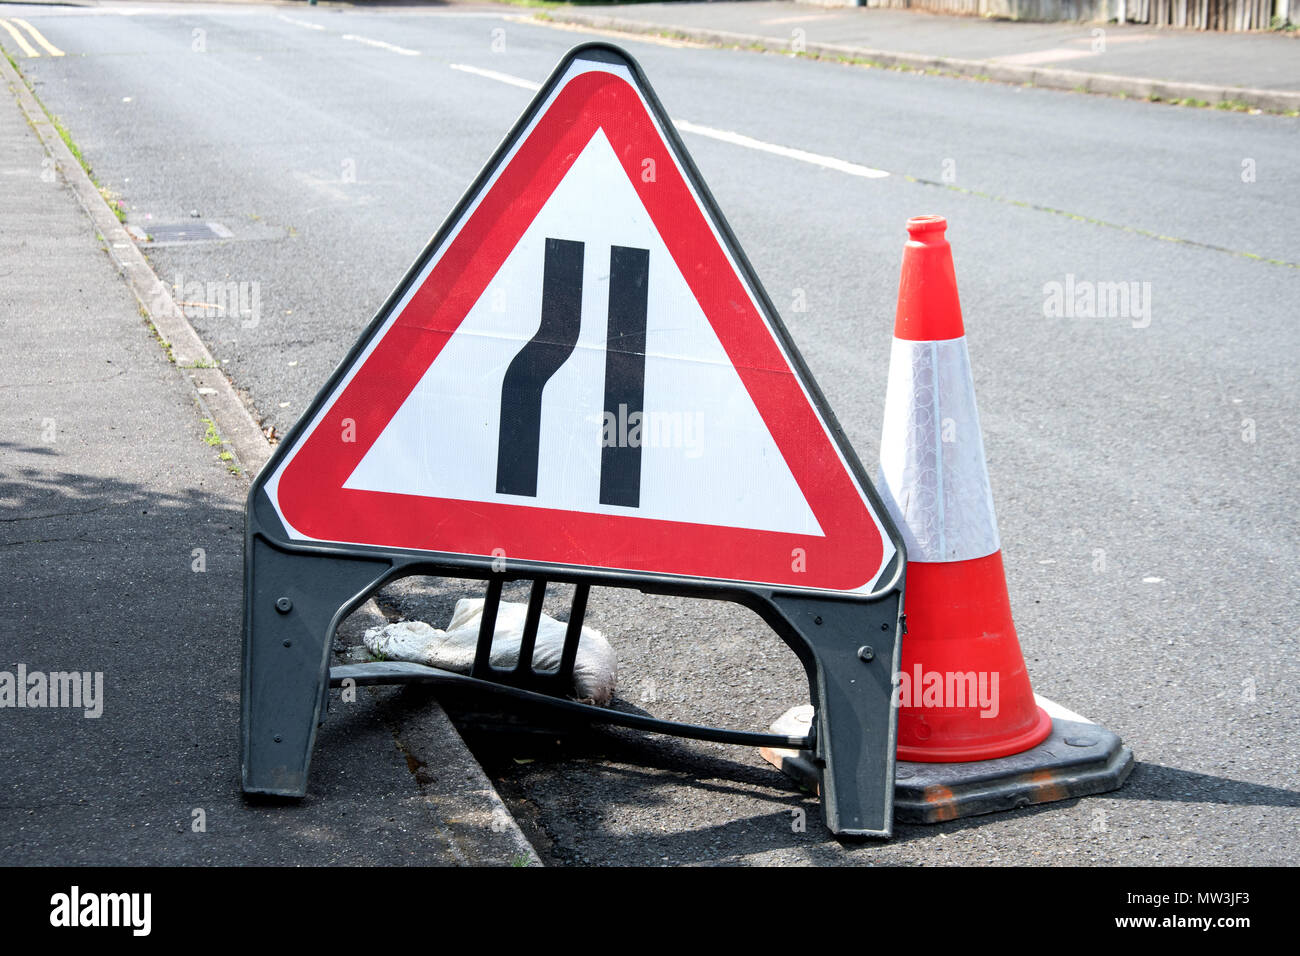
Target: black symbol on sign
(546,352)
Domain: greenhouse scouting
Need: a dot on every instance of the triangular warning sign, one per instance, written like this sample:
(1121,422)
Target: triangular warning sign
(582,371)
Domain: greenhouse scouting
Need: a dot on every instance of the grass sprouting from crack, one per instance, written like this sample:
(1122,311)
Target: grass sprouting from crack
(212,437)
(110,199)
(153,330)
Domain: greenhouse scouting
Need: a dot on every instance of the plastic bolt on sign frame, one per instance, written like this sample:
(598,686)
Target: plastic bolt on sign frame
(299,586)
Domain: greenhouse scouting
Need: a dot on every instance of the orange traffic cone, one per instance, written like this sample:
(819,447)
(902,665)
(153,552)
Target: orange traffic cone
(963,690)
(972,737)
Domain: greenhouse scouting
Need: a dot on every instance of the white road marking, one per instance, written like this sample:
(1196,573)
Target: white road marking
(499,77)
(816,159)
(299,23)
(726,136)
(381,44)
(46,45)
(19,39)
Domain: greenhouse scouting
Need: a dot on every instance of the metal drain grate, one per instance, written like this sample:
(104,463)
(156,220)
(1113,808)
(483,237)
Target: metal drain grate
(189,232)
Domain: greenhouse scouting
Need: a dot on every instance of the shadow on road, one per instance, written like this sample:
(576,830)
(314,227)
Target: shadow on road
(142,582)
(593,771)
(1151,781)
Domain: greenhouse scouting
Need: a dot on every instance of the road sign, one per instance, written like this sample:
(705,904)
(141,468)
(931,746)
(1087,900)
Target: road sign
(581,371)
(580,381)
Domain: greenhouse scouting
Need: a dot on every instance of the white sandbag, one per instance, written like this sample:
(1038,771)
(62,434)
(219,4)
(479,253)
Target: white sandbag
(594,670)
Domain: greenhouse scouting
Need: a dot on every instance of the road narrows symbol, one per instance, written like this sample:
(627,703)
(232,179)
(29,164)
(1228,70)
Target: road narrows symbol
(620,460)
(519,438)
(530,370)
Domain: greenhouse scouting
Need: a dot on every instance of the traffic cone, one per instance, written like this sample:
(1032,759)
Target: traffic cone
(963,690)
(972,736)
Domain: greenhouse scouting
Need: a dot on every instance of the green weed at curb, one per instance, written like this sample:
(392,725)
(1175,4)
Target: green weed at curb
(112,201)
(212,438)
(153,330)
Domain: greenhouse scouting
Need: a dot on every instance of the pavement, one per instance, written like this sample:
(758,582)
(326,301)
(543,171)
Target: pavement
(1142,466)
(1257,69)
(121,539)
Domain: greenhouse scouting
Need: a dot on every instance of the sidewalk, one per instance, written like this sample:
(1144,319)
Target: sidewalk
(1258,69)
(121,538)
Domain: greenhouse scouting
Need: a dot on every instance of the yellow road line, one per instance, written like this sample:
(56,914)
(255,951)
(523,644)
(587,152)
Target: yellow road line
(19,39)
(46,45)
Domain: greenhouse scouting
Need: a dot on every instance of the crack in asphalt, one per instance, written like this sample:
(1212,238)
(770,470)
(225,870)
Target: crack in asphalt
(1133,230)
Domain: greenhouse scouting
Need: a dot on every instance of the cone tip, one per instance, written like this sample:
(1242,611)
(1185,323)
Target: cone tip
(922,228)
(928,307)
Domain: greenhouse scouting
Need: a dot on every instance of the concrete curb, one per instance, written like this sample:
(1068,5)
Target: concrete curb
(1050,78)
(475,818)
(212,391)
(457,794)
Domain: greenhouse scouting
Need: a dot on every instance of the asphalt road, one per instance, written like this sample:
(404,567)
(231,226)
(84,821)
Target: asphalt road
(331,144)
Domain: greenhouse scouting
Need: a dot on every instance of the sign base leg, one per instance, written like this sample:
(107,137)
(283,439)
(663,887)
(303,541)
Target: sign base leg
(292,605)
(850,650)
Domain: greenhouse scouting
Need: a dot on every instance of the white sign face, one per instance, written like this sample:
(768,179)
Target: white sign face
(697,428)
(579,372)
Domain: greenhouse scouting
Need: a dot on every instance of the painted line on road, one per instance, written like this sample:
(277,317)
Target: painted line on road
(306,24)
(393,48)
(19,39)
(722,135)
(499,77)
(46,45)
(790,152)
(380,44)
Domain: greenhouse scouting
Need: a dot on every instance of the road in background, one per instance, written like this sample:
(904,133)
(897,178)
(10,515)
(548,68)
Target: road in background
(1142,464)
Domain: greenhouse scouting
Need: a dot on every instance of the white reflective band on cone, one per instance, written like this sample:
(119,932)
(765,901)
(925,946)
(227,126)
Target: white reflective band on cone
(932,472)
